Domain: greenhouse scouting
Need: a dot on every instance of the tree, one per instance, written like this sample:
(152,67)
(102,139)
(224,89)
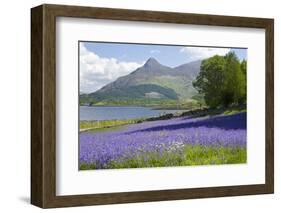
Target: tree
(244,67)
(222,80)
(234,82)
(210,80)
(244,71)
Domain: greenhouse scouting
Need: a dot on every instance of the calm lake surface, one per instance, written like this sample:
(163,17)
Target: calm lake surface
(116,112)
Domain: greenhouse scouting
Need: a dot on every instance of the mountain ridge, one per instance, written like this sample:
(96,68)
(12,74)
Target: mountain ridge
(150,83)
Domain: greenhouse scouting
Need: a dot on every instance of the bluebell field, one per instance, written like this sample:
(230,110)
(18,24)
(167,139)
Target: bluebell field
(180,141)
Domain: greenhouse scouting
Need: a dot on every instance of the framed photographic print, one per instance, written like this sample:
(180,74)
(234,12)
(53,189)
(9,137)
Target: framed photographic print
(136,106)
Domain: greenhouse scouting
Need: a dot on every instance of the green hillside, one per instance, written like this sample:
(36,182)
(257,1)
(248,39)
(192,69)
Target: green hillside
(151,84)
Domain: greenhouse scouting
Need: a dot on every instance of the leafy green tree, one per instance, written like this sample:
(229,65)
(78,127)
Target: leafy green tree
(244,71)
(234,82)
(244,67)
(210,80)
(222,80)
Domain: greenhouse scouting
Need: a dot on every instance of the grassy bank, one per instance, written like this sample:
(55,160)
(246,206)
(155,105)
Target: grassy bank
(191,155)
(87,125)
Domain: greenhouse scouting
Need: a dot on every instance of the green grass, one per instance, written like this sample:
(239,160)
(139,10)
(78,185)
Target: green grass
(190,156)
(233,111)
(92,125)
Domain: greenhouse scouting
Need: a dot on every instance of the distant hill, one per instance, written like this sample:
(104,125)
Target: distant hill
(151,83)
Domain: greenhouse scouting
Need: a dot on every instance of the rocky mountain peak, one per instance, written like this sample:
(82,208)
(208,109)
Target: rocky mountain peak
(152,62)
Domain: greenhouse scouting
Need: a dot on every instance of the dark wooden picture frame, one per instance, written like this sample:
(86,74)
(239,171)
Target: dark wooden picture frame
(43,105)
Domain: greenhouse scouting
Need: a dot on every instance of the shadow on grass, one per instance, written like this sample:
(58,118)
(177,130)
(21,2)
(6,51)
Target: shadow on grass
(226,122)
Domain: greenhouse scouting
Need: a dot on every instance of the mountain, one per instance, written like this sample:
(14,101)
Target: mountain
(152,82)
(151,69)
(190,69)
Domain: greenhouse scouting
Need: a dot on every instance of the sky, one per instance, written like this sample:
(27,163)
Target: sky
(101,63)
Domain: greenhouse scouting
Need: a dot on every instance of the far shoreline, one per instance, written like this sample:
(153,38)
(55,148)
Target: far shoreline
(142,106)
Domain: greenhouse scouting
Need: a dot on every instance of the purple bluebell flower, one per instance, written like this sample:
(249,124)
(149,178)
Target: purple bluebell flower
(101,148)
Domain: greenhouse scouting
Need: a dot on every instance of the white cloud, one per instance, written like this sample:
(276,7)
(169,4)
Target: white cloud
(154,51)
(95,71)
(196,53)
